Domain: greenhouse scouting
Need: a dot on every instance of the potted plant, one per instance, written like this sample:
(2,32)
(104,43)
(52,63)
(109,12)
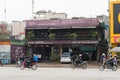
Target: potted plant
(73,35)
(94,33)
(52,36)
(30,35)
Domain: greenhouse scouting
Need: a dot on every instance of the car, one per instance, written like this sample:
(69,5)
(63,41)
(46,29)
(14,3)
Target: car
(65,57)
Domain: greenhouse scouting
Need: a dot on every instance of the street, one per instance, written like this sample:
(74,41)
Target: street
(42,73)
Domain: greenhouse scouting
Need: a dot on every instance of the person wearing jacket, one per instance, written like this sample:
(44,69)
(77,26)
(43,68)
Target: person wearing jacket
(35,58)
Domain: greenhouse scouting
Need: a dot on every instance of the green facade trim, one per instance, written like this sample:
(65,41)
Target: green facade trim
(87,48)
(18,42)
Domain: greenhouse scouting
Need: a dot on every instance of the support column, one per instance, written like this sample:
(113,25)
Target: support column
(61,50)
(113,53)
(52,48)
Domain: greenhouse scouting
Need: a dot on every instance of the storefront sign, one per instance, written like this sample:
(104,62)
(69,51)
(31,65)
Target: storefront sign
(61,23)
(5,51)
(117,39)
(62,42)
(115,17)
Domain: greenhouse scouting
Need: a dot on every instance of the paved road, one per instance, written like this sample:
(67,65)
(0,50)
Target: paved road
(13,73)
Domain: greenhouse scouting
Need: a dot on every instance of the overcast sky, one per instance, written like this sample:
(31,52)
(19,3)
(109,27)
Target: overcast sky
(17,10)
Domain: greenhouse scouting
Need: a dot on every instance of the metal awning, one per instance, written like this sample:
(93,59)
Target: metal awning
(115,49)
(87,48)
(64,42)
(62,23)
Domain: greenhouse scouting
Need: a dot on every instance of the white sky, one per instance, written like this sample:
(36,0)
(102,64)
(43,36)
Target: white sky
(17,10)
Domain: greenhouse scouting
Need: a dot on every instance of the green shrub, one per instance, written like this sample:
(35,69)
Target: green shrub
(55,57)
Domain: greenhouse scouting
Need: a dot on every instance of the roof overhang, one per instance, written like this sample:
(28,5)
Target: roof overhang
(62,23)
(64,42)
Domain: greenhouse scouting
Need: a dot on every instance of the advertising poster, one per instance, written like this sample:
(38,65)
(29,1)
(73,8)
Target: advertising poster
(4,51)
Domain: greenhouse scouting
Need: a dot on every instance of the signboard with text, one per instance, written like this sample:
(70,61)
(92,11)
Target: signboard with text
(114,21)
(63,42)
(61,23)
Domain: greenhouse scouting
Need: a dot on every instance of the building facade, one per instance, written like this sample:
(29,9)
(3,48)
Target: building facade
(82,35)
(18,29)
(46,15)
(4,43)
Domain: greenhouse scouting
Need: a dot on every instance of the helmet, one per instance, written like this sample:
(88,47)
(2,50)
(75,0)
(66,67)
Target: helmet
(115,55)
(80,54)
(103,54)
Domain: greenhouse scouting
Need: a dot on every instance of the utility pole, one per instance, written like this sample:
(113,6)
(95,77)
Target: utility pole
(5,10)
(109,45)
(32,9)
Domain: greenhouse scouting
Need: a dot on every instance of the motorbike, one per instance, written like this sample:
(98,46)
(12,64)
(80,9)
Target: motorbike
(108,64)
(82,65)
(25,64)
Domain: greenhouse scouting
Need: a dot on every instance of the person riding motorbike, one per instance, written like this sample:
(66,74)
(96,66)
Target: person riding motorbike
(115,60)
(103,58)
(112,61)
(28,60)
(78,59)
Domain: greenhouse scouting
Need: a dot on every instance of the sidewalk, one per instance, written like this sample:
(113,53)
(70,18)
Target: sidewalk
(59,65)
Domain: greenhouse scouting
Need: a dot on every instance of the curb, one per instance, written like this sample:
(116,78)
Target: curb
(49,65)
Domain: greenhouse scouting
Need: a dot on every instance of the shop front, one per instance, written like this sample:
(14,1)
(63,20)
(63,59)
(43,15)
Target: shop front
(5,52)
(44,49)
(46,37)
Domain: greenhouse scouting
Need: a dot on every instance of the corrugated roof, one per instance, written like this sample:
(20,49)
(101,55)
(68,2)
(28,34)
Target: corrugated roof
(62,23)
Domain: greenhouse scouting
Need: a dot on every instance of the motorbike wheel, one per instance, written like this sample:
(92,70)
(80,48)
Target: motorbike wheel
(101,68)
(73,65)
(34,67)
(84,66)
(114,68)
(22,67)
(18,64)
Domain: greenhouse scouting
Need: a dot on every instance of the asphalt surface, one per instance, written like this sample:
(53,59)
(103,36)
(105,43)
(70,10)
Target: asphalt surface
(55,73)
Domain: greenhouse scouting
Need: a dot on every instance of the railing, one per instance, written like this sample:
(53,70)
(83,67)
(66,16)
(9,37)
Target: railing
(80,38)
